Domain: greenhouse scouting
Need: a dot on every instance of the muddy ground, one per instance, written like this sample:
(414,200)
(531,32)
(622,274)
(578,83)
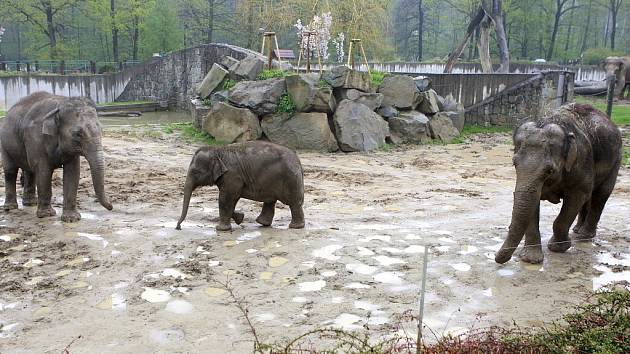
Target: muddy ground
(126,281)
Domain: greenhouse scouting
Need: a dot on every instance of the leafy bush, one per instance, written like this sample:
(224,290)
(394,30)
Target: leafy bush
(228,84)
(286,104)
(271,74)
(377,77)
(594,56)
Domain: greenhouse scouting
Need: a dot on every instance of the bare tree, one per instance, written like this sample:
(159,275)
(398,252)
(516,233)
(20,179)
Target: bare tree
(560,11)
(613,7)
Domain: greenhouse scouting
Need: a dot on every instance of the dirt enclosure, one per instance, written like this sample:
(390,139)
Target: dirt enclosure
(126,281)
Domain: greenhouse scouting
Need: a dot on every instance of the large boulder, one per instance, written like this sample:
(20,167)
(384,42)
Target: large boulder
(423,83)
(358,128)
(261,97)
(442,128)
(372,100)
(399,91)
(410,127)
(302,131)
(308,96)
(230,124)
(248,68)
(429,104)
(387,112)
(228,62)
(213,79)
(344,77)
(450,104)
(198,111)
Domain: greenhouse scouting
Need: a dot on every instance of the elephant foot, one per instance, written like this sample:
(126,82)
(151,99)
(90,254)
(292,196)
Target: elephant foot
(223,227)
(532,254)
(583,235)
(70,216)
(296,225)
(264,220)
(238,217)
(559,246)
(10,206)
(29,201)
(46,212)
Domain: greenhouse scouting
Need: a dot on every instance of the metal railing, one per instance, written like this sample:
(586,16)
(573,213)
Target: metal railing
(64,67)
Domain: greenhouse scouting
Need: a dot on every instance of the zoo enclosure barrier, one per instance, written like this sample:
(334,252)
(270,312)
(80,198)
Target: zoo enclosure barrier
(63,67)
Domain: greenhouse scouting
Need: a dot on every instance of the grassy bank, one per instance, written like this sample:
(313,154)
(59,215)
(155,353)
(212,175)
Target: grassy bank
(620,112)
(3,113)
(190,133)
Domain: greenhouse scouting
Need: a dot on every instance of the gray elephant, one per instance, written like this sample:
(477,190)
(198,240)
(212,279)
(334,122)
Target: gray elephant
(573,155)
(618,68)
(255,170)
(41,133)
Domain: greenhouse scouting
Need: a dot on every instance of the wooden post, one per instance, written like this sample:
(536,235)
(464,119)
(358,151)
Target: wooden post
(269,36)
(308,51)
(62,67)
(36,65)
(610,94)
(92,66)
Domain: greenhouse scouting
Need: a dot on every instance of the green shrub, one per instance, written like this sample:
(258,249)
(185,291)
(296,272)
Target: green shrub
(286,104)
(228,84)
(377,77)
(594,56)
(271,74)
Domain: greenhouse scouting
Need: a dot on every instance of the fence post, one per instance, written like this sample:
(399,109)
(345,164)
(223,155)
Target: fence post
(3,66)
(92,66)
(18,66)
(36,64)
(610,95)
(28,67)
(120,66)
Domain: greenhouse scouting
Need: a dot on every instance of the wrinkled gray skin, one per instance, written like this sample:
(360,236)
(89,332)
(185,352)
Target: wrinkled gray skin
(256,170)
(618,68)
(575,159)
(43,132)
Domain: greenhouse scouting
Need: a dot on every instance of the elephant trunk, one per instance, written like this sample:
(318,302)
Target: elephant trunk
(97,166)
(526,201)
(188,189)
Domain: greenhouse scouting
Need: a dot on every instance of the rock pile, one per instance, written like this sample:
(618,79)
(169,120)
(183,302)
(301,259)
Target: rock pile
(339,110)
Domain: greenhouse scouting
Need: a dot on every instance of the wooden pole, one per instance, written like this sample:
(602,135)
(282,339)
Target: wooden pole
(270,42)
(367,65)
(610,95)
(419,348)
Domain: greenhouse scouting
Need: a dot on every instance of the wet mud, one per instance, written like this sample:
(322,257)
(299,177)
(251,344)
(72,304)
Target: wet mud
(127,281)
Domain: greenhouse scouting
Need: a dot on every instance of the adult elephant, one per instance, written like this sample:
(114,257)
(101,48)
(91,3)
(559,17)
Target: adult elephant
(618,68)
(43,132)
(573,155)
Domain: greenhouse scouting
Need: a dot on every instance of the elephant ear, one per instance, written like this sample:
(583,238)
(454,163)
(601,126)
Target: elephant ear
(218,169)
(571,152)
(50,123)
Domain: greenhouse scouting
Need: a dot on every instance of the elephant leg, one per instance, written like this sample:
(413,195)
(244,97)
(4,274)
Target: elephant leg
(582,217)
(238,217)
(44,192)
(71,175)
(227,203)
(571,205)
(266,215)
(297,216)
(598,201)
(29,193)
(10,180)
(532,251)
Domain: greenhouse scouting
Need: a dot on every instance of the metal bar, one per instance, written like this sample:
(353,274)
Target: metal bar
(423,290)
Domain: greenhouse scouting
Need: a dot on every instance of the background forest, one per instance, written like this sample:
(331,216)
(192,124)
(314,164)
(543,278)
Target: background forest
(392,30)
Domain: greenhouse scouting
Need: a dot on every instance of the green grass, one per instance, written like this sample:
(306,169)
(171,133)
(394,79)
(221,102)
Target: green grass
(3,113)
(626,157)
(228,84)
(479,129)
(620,112)
(285,105)
(377,77)
(114,104)
(271,74)
(190,133)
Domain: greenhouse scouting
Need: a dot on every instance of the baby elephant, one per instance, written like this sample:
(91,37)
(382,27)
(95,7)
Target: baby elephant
(572,155)
(255,170)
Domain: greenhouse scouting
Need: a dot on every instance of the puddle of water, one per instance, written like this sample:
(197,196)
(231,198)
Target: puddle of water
(213,263)
(172,272)
(446,240)
(167,336)
(299,299)
(461,267)
(251,250)
(264,317)
(248,236)
(505,272)
(376,227)
(608,276)
(8,306)
(215,292)
(364,252)
(327,252)
(361,268)
(155,295)
(33,262)
(468,249)
(275,262)
(7,330)
(113,302)
(311,286)
(487,292)
(337,300)
(347,322)
(180,307)
(328,273)
(387,239)
(356,286)
(413,249)
(8,237)
(442,249)
(367,306)
(393,278)
(94,237)
(387,261)
(307,264)
(392,250)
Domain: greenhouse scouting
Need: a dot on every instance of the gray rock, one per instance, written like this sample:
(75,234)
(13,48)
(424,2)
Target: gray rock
(358,128)
(457,118)
(387,112)
(410,127)
(198,112)
(442,128)
(231,124)
(261,97)
(219,96)
(308,96)
(429,104)
(423,83)
(344,77)
(440,101)
(248,68)
(228,62)
(372,100)
(303,131)
(399,91)
(213,79)
(450,104)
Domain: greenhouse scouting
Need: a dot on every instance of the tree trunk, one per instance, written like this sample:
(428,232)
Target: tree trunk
(420,29)
(614,11)
(484,46)
(499,26)
(455,54)
(210,30)
(554,33)
(52,32)
(112,7)
(136,37)
(569,31)
(586,27)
